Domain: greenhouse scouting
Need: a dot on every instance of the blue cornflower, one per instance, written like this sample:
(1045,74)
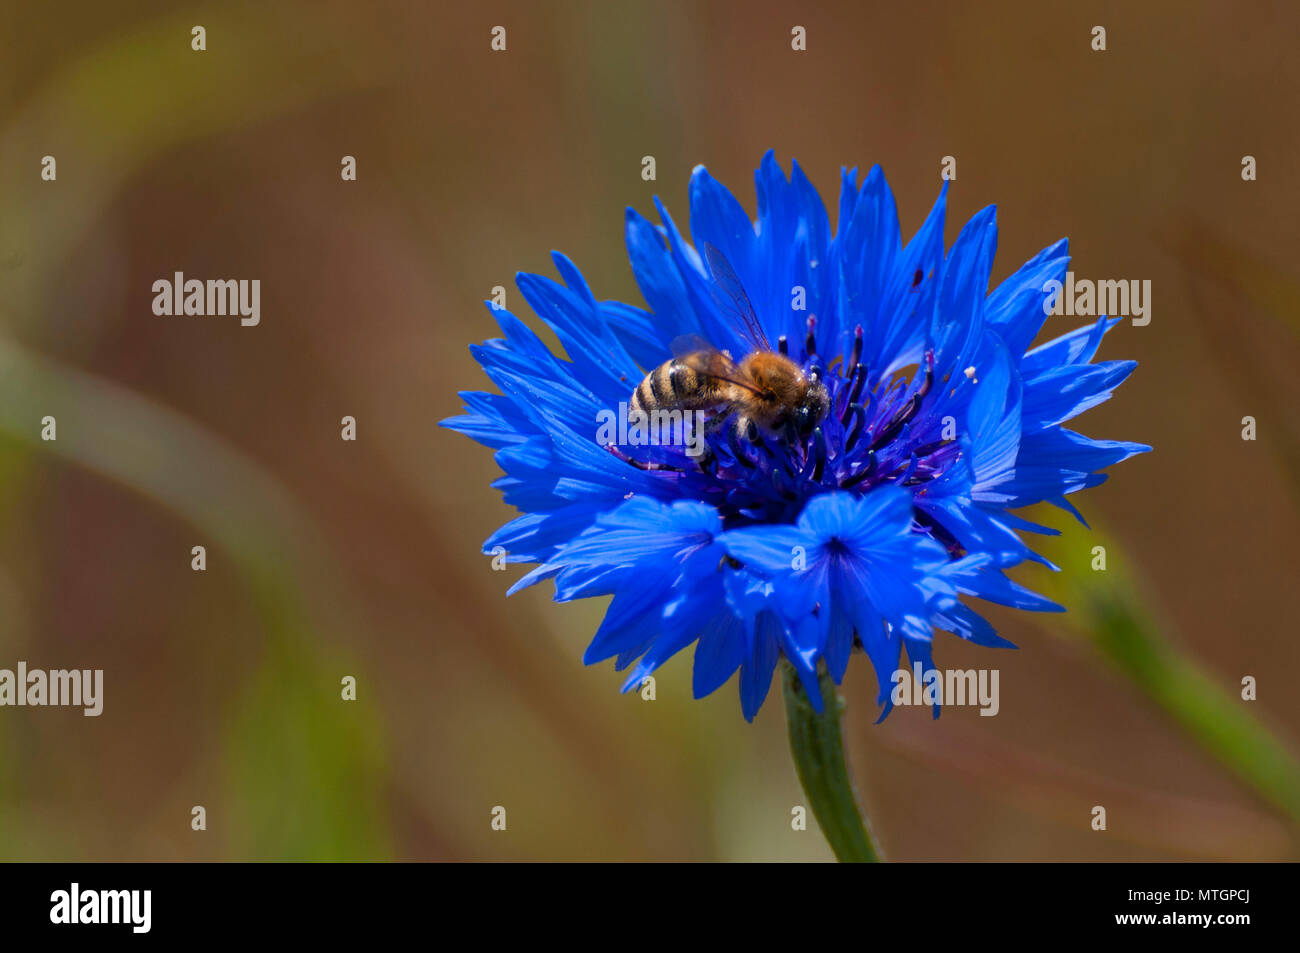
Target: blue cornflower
(801,543)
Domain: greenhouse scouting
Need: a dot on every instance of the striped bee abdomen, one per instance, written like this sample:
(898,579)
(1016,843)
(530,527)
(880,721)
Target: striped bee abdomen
(673,385)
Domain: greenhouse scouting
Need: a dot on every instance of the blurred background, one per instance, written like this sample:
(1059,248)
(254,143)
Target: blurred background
(329,558)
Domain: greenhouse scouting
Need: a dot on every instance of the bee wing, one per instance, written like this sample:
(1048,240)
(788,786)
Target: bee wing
(729,295)
(707,361)
(687,344)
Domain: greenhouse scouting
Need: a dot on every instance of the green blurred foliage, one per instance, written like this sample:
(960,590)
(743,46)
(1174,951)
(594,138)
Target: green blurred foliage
(1107,612)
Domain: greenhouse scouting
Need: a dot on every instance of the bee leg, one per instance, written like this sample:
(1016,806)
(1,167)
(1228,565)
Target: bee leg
(707,461)
(745,429)
(697,438)
(738,434)
(715,423)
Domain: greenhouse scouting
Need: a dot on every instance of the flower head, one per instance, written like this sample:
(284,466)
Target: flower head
(856,519)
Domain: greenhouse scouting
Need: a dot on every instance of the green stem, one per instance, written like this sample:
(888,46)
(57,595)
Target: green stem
(823,771)
(1106,608)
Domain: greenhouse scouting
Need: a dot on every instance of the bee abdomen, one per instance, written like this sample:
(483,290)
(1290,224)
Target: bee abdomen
(670,385)
(689,388)
(662,384)
(643,398)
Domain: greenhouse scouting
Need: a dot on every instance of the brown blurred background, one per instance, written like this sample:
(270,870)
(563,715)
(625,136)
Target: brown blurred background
(328,558)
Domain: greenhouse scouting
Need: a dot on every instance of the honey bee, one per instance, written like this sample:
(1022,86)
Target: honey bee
(764,391)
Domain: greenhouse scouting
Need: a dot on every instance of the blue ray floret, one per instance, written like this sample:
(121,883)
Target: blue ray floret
(863,533)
